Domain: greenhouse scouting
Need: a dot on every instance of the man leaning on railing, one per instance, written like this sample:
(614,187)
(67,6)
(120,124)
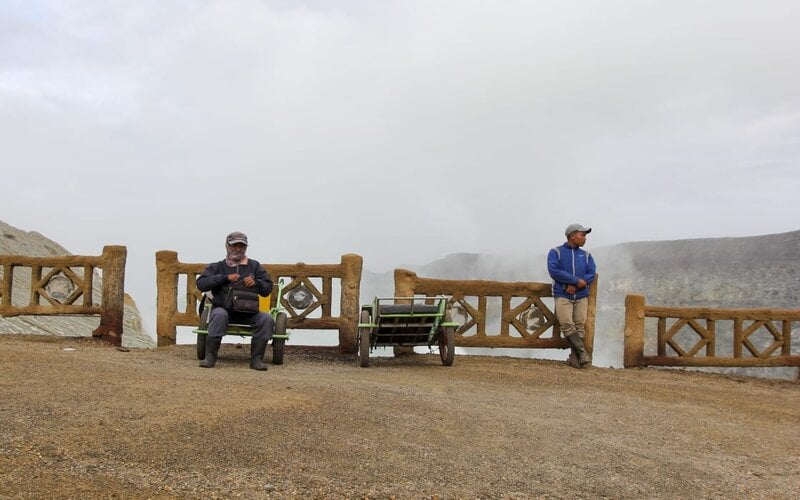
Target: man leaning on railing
(573,271)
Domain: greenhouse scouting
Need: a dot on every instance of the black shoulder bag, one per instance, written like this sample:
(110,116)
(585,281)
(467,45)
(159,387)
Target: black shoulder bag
(241,300)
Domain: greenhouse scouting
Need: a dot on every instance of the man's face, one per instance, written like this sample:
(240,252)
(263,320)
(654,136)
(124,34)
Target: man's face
(577,239)
(236,251)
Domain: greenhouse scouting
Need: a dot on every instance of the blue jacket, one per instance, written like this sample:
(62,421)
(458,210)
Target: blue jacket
(566,265)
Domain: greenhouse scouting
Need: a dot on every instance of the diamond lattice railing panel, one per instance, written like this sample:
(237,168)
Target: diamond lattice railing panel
(464,313)
(532,318)
(764,334)
(318,298)
(60,286)
(193,295)
(682,332)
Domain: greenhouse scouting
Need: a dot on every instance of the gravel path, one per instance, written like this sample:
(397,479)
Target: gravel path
(97,421)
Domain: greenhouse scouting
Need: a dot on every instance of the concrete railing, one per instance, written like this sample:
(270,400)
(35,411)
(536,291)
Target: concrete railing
(297,277)
(773,326)
(56,284)
(522,310)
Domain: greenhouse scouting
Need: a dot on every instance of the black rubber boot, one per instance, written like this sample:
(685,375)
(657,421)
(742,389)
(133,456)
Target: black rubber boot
(572,360)
(212,348)
(257,348)
(584,358)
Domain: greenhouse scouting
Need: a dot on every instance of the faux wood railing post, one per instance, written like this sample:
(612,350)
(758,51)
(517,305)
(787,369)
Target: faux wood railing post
(404,284)
(588,338)
(634,330)
(351,284)
(404,281)
(166,296)
(5,293)
(113,264)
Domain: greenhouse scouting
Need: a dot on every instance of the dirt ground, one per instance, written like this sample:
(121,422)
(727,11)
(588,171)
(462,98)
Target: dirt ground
(81,419)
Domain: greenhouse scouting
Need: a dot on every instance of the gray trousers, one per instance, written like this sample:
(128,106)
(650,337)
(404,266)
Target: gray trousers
(262,323)
(571,315)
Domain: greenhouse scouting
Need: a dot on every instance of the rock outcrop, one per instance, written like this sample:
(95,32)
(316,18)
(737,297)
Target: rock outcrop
(14,241)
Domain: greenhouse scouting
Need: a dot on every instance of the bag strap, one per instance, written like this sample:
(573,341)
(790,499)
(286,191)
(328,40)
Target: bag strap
(248,267)
(202,304)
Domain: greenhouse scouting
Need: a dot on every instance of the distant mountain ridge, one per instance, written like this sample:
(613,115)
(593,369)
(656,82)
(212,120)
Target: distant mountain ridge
(15,241)
(754,271)
(775,247)
(751,272)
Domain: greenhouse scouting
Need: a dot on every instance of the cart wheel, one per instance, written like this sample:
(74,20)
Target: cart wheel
(204,309)
(201,346)
(447,341)
(363,341)
(279,344)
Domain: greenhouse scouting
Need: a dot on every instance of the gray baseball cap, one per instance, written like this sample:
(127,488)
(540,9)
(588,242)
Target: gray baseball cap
(577,227)
(236,237)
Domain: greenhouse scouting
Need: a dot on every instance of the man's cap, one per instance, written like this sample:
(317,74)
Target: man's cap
(236,237)
(577,227)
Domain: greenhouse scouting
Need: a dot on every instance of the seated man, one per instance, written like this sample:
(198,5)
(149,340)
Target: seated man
(236,271)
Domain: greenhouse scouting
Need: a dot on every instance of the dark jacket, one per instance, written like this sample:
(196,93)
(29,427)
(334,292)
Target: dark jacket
(215,279)
(566,265)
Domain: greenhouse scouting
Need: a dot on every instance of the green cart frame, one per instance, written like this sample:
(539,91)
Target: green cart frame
(416,322)
(279,336)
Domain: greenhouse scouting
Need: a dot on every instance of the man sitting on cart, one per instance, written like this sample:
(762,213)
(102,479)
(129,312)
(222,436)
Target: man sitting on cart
(238,271)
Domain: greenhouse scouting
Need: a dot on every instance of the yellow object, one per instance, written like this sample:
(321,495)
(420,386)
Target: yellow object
(264,303)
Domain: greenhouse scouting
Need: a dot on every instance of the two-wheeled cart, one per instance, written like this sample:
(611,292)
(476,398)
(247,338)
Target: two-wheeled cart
(406,321)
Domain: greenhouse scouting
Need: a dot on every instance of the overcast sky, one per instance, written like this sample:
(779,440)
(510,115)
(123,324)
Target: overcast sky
(398,130)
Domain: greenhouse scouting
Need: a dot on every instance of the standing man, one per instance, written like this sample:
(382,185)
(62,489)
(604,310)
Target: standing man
(573,271)
(236,271)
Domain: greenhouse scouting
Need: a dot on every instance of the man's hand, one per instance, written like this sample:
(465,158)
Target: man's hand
(233,278)
(581,284)
(249,281)
(571,289)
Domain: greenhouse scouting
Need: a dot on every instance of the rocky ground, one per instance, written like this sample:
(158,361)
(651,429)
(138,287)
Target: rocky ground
(80,419)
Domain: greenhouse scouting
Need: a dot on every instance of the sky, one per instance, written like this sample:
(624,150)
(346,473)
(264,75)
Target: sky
(402,131)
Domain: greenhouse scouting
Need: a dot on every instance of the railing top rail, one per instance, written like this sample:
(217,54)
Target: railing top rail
(316,270)
(721,314)
(483,287)
(54,261)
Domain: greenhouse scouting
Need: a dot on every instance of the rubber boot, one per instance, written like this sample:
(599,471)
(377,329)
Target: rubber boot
(212,348)
(257,348)
(572,360)
(584,358)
